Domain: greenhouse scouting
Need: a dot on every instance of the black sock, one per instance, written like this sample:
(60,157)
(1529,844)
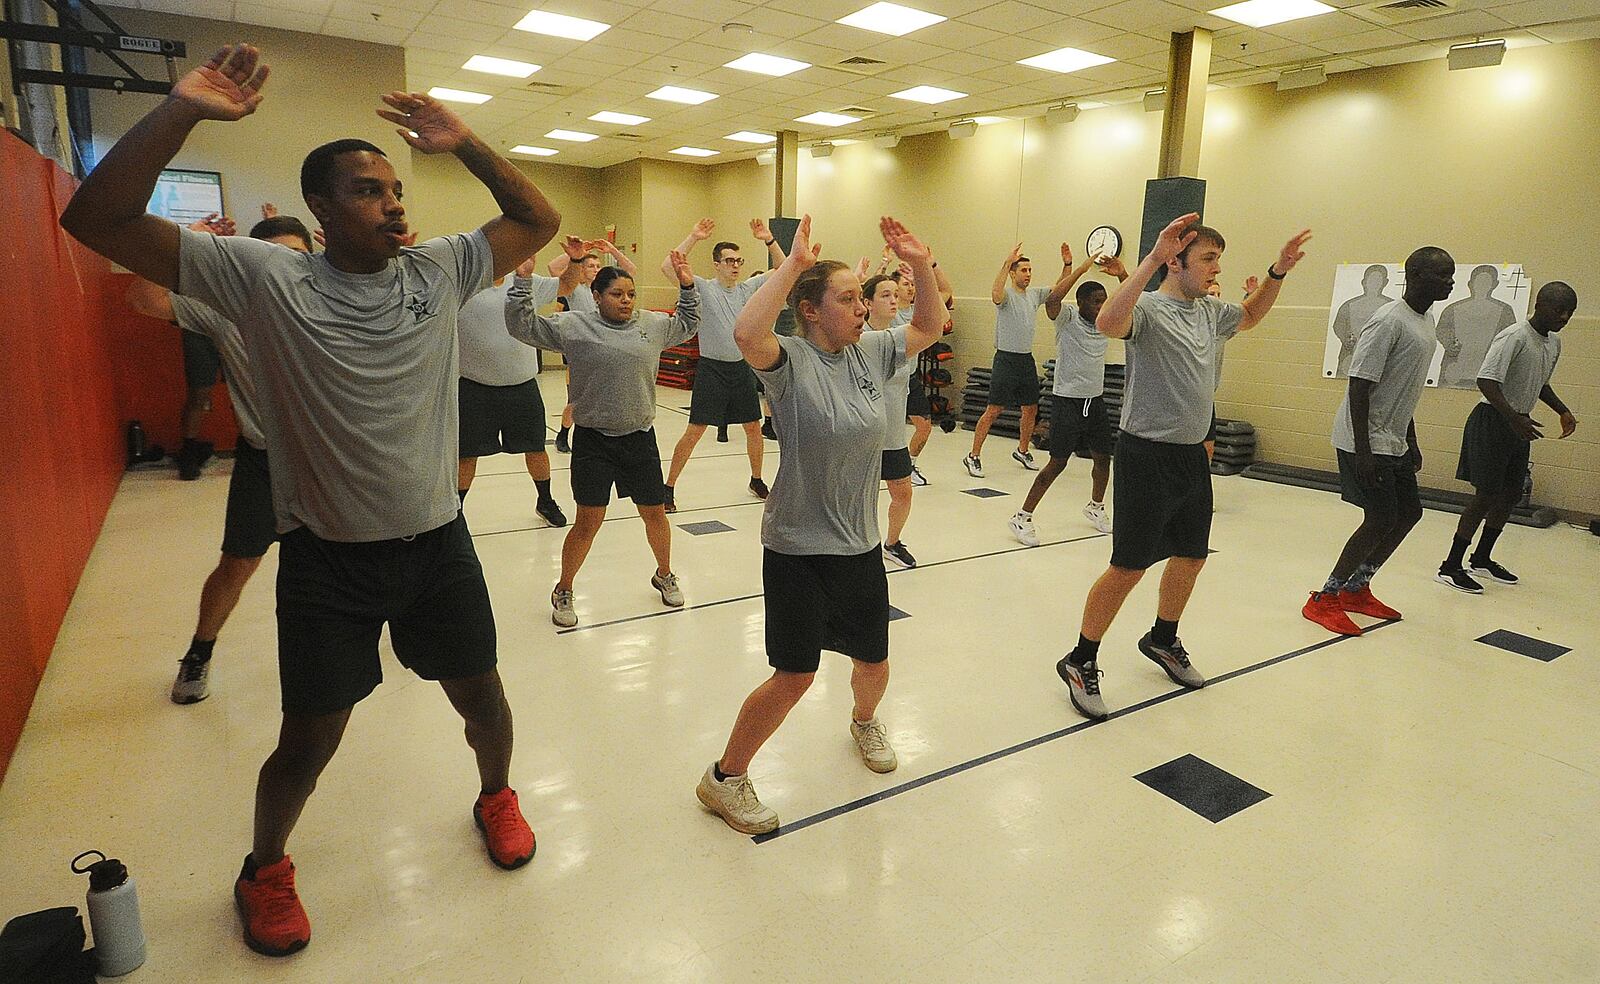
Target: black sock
(248,872)
(564,431)
(463,494)
(1087,651)
(1164,633)
(1458,551)
(201,648)
(1486,543)
(543,485)
(717,773)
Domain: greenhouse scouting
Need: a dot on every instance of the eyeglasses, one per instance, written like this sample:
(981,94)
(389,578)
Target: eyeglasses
(733,260)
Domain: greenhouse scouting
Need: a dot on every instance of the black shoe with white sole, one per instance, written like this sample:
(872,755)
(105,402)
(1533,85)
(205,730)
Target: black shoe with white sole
(898,555)
(1490,569)
(551,513)
(1458,578)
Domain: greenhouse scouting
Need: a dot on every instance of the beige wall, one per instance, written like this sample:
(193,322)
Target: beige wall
(443,197)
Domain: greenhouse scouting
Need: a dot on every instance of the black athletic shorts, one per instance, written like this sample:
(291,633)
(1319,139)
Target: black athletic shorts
(334,598)
(1396,498)
(1013,380)
(917,401)
(1079,425)
(500,418)
(1493,458)
(896,464)
(250,527)
(724,393)
(631,462)
(1162,500)
(824,601)
(202,365)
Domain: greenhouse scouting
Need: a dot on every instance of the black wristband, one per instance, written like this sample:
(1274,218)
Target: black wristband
(1273,273)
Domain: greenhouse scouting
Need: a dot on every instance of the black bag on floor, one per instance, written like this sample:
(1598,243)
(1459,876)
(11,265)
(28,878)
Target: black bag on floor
(45,947)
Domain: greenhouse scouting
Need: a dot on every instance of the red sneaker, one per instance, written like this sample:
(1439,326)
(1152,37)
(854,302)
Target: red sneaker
(275,924)
(507,836)
(1363,603)
(1324,610)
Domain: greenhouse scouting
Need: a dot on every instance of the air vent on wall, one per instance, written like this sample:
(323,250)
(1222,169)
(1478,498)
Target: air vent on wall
(862,65)
(1403,11)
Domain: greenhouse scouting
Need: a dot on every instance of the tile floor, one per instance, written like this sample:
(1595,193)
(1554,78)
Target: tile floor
(1430,818)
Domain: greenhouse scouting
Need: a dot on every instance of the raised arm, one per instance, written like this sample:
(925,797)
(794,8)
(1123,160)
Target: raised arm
(1265,295)
(572,251)
(752,329)
(946,292)
(686,313)
(702,231)
(527,220)
(609,248)
(107,214)
(1116,317)
(150,300)
(927,314)
(1069,275)
(764,236)
(997,293)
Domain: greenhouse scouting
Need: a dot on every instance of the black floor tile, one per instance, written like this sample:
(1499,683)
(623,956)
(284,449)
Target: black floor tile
(984,493)
(1516,642)
(709,526)
(896,614)
(1202,787)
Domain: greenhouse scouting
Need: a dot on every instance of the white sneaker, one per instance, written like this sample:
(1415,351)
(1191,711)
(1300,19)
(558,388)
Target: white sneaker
(734,800)
(872,741)
(1022,530)
(917,478)
(193,684)
(974,466)
(1025,459)
(1095,512)
(561,611)
(671,590)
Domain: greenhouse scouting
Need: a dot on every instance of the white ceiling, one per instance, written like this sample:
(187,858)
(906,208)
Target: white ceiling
(683,42)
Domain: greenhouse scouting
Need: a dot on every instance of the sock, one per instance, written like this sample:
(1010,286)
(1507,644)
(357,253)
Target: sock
(543,485)
(201,648)
(1332,586)
(463,494)
(717,773)
(1088,651)
(1164,633)
(1458,551)
(250,868)
(1486,543)
(1362,577)
(564,430)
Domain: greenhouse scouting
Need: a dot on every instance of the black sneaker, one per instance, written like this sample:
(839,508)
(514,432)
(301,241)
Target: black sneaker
(551,513)
(899,555)
(767,430)
(1083,687)
(759,489)
(563,445)
(669,502)
(192,457)
(1174,659)
(1491,569)
(1458,578)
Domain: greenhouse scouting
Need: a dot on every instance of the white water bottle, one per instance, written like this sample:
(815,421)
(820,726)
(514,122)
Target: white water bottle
(113,900)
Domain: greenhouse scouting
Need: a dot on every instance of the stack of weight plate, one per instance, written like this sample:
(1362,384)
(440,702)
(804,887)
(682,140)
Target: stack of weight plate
(1236,447)
(1116,376)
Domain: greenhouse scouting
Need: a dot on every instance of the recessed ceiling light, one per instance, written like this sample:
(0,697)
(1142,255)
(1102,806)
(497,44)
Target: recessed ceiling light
(678,94)
(500,66)
(626,119)
(745,136)
(693,152)
(928,94)
(1261,13)
(534,151)
(986,120)
(458,95)
(767,64)
(1066,60)
(560,25)
(576,136)
(891,18)
(842,142)
(1092,104)
(827,119)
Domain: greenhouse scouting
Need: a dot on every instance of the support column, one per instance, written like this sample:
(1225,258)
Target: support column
(786,185)
(1188,74)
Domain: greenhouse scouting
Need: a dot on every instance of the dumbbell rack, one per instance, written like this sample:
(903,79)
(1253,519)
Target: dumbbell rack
(927,361)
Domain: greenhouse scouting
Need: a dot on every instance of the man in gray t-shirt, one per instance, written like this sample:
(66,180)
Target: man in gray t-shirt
(354,357)
(1013,377)
(1163,483)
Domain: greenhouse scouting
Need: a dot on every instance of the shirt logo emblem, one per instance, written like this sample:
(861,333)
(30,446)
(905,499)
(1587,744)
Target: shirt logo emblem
(869,387)
(418,306)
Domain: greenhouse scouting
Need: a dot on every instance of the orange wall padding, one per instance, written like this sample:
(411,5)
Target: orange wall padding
(61,427)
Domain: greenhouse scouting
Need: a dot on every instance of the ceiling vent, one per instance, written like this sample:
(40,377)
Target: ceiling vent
(862,65)
(627,136)
(1403,11)
(547,88)
(860,112)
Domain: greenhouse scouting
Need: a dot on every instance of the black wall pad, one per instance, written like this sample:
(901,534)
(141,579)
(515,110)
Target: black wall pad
(1439,499)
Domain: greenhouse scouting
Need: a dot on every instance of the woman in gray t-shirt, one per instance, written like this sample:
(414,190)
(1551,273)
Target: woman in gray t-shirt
(822,573)
(880,294)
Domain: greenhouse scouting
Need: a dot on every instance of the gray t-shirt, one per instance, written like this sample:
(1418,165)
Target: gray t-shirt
(191,315)
(1172,366)
(828,408)
(582,299)
(1014,318)
(357,375)
(488,354)
(613,387)
(1080,356)
(1522,361)
(896,392)
(719,306)
(1393,351)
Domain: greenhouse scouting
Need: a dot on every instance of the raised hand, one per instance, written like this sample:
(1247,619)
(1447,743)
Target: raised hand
(803,255)
(424,122)
(1293,251)
(608,247)
(574,247)
(681,267)
(1250,285)
(758,228)
(1174,239)
(702,229)
(228,87)
(527,267)
(862,265)
(1066,255)
(269,210)
(1112,266)
(1015,255)
(908,247)
(217,225)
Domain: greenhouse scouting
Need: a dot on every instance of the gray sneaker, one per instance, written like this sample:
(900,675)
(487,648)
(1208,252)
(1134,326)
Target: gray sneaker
(1025,459)
(872,741)
(734,800)
(193,684)
(974,466)
(1083,686)
(1174,659)
(562,613)
(671,591)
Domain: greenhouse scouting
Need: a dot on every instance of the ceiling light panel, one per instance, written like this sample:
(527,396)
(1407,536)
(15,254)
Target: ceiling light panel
(500,66)
(767,64)
(891,18)
(534,151)
(745,136)
(827,119)
(561,26)
(458,95)
(928,94)
(678,94)
(576,136)
(625,119)
(693,152)
(1263,13)
(1066,60)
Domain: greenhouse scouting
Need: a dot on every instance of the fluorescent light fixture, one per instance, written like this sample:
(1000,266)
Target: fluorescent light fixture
(500,66)
(1302,78)
(890,18)
(1478,54)
(987,120)
(693,152)
(576,136)
(886,140)
(963,129)
(927,94)
(534,151)
(822,149)
(1261,13)
(1066,60)
(458,95)
(626,119)
(842,142)
(678,94)
(827,119)
(1155,100)
(745,136)
(765,157)
(767,64)
(1064,113)
(560,25)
